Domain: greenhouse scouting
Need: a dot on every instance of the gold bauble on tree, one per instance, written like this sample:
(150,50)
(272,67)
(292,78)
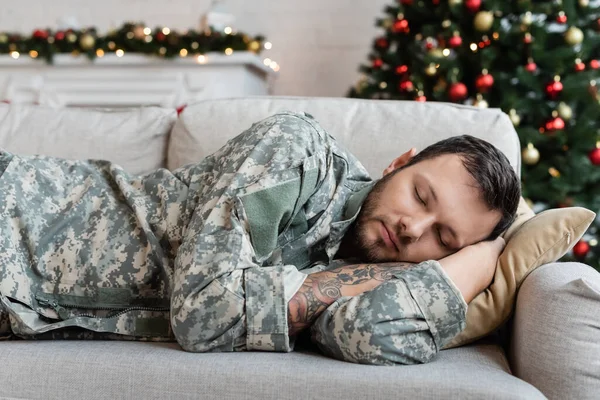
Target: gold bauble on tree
(573,36)
(483,21)
(436,52)
(584,3)
(530,155)
(87,41)
(564,111)
(3,38)
(72,38)
(514,117)
(454,2)
(431,70)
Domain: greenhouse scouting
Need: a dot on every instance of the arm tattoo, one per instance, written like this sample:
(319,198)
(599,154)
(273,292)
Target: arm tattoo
(321,289)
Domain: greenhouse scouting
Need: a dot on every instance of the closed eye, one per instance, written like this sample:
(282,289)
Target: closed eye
(444,245)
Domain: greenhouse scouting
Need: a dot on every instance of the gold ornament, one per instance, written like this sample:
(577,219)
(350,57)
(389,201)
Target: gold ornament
(480,103)
(554,172)
(584,3)
(573,36)
(527,18)
(3,38)
(564,111)
(514,117)
(431,70)
(483,21)
(12,47)
(387,23)
(254,45)
(112,45)
(71,37)
(87,41)
(453,3)
(530,155)
(138,32)
(437,52)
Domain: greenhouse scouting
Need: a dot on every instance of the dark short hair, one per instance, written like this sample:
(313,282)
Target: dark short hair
(497,180)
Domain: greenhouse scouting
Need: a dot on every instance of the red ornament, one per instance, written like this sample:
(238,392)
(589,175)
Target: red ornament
(402,69)
(40,34)
(455,41)
(561,19)
(429,44)
(160,36)
(594,156)
(527,38)
(59,35)
(581,249)
(406,2)
(180,109)
(377,63)
(406,86)
(579,66)
(484,82)
(421,98)
(457,91)
(594,64)
(553,89)
(531,66)
(401,26)
(555,124)
(473,5)
(382,43)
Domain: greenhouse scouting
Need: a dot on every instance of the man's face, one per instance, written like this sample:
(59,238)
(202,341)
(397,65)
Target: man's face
(411,214)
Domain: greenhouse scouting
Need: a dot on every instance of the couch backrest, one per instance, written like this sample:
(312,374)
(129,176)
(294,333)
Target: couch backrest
(376,131)
(134,138)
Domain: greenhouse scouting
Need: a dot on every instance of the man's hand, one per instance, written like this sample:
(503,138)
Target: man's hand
(472,268)
(321,289)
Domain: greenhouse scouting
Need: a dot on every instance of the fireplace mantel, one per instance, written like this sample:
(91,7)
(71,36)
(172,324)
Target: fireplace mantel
(132,80)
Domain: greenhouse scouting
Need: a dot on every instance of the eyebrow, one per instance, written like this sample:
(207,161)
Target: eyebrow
(435,198)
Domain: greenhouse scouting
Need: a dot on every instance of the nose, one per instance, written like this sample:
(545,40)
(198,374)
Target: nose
(414,227)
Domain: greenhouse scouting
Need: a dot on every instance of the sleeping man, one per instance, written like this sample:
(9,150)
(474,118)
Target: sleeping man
(279,232)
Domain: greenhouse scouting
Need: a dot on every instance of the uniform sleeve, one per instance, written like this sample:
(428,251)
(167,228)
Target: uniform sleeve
(405,320)
(225,296)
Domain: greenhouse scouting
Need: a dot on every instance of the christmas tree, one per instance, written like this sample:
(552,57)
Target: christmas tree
(538,61)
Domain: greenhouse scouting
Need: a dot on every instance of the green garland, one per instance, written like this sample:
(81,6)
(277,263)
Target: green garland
(131,37)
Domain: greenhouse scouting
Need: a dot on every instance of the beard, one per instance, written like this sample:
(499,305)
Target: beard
(356,243)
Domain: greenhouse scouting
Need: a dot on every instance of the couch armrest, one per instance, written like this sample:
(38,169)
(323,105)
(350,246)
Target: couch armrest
(555,342)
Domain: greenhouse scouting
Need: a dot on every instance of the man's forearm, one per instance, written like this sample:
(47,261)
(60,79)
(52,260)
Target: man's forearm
(321,289)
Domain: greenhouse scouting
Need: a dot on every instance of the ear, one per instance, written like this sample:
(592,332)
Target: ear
(400,161)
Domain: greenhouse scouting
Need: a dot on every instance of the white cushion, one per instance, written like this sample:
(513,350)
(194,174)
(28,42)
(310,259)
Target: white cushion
(134,138)
(376,131)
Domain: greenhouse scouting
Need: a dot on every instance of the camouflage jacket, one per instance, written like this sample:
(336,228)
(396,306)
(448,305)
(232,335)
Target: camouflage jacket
(209,254)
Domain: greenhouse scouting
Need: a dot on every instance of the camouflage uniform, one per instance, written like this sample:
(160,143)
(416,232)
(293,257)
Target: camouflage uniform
(209,254)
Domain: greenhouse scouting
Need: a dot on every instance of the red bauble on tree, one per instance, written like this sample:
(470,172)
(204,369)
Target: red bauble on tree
(402,69)
(579,66)
(455,41)
(382,43)
(531,66)
(484,82)
(594,156)
(377,63)
(594,64)
(59,35)
(581,249)
(406,2)
(457,91)
(553,89)
(421,98)
(555,124)
(401,26)
(406,86)
(561,18)
(40,34)
(473,5)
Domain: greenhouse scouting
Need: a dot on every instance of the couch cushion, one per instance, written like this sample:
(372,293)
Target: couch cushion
(134,138)
(127,370)
(376,131)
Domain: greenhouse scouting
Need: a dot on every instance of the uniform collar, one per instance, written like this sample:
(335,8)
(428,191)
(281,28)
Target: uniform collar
(356,201)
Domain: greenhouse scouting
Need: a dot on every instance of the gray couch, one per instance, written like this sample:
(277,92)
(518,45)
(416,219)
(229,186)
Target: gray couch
(549,349)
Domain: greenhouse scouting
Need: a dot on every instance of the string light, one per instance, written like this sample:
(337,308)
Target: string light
(228,30)
(201,59)
(268,45)
(183,52)
(166,30)
(147,31)
(229,51)
(120,53)
(473,46)
(33,54)
(446,52)
(100,53)
(267,61)
(14,54)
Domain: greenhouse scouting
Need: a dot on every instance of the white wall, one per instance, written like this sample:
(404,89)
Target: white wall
(318,43)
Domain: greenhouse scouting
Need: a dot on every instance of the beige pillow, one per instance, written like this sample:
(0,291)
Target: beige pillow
(532,240)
